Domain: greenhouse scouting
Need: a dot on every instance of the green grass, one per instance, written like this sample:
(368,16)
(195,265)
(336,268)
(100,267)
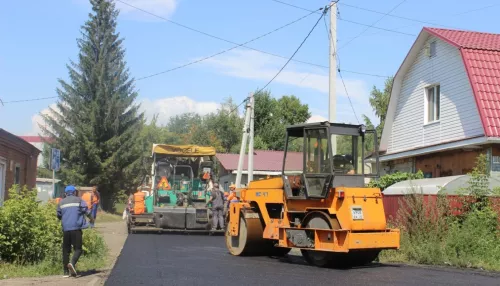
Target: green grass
(47,267)
(107,217)
(119,207)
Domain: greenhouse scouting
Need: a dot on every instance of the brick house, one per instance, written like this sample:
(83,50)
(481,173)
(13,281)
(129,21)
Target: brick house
(18,163)
(39,142)
(444,108)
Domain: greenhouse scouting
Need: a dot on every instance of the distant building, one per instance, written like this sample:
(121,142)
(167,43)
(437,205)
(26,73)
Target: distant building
(444,108)
(18,163)
(265,163)
(38,142)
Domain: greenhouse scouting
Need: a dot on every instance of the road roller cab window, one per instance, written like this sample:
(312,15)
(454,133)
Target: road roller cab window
(331,155)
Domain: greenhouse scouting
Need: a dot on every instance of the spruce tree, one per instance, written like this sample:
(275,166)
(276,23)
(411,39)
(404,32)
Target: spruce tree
(97,125)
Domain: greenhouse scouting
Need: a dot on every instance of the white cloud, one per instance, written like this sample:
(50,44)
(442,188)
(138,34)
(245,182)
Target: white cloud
(172,106)
(316,118)
(164,8)
(37,120)
(254,65)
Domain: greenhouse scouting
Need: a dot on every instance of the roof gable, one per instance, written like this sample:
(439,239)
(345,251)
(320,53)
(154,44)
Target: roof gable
(480,53)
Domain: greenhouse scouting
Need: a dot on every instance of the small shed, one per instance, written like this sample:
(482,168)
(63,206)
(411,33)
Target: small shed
(451,186)
(45,191)
(431,186)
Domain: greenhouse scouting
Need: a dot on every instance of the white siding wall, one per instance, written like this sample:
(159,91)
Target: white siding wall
(459,117)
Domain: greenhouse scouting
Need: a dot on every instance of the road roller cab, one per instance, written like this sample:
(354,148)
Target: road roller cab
(324,209)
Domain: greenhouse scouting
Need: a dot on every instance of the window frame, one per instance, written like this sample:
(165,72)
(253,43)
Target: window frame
(436,105)
(432,51)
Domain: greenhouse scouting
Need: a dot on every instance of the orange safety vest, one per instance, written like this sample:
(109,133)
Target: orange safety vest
(232,197)
(139,204)
(88,198)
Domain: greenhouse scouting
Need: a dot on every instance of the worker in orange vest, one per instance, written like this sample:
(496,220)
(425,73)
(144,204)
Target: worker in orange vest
(232,198)
(139,205)
(92,200)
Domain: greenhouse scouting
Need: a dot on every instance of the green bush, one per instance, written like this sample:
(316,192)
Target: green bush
(30,232)
(431,235)
(390,179)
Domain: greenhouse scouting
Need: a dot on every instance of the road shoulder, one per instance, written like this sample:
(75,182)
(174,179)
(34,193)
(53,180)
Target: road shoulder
(114,234)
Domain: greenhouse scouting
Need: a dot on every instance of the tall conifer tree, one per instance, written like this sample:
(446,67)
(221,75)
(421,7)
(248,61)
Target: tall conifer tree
(97,125)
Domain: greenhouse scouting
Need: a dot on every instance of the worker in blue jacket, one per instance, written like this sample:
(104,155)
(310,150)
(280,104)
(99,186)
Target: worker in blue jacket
(72,211)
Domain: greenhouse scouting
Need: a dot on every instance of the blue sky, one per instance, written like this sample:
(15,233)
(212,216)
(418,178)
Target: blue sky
(39,39)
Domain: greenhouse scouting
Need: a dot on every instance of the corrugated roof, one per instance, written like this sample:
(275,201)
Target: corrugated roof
(431,186)
(481,55)
(263,160)
(36,139)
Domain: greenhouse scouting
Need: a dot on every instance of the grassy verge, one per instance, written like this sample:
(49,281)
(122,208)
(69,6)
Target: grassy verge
(47,267)
(434,238)
(31,239)
(107,217)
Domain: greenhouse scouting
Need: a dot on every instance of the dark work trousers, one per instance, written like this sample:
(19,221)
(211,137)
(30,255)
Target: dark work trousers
(218,216)
(72,238)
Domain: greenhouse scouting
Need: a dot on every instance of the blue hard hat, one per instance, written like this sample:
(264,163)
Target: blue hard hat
(70,189)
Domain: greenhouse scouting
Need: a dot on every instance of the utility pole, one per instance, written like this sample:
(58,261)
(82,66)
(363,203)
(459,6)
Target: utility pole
(246,129)
(332,100)
(250,147)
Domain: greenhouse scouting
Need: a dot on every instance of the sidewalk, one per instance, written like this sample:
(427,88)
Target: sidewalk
(114,233)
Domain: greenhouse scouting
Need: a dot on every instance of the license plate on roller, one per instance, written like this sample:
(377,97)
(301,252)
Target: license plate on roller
(357,213)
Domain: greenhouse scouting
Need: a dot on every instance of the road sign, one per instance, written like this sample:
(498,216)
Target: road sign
(55,159)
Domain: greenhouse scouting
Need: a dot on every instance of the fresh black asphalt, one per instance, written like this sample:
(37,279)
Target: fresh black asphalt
(174,259)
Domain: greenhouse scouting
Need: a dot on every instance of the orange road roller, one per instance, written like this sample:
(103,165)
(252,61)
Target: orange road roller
(320,204)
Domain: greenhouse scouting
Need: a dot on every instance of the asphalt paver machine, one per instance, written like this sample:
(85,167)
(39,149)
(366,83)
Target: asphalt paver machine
(176,194)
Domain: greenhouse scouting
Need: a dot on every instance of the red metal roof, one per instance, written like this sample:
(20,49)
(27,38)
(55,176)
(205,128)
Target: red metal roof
(481,55)
(263,160)
(36,139)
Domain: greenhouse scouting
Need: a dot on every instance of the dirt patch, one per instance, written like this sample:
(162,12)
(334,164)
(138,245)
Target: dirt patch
(114,233)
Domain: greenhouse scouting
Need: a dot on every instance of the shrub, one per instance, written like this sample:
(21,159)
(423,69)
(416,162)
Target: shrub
(390,179)
(431,235)
(31,233)
(27,232)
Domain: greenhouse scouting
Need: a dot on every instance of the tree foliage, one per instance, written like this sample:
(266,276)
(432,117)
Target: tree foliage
(97,125)
(379,100)
(273,115)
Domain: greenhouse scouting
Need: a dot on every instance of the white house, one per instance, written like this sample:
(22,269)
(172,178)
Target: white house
(445,105)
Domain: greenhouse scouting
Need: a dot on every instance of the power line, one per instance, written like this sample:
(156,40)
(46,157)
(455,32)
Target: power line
(32,99)
(394,8)
(345,88)
(219,38)
(242,45)
(349,21)
(378,28)
(227,50)
(391,15)
(291,57)
(294,6)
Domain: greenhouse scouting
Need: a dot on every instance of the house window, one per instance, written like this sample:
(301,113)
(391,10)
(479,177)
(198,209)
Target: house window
(432,49)
(17,175)
(432,103)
